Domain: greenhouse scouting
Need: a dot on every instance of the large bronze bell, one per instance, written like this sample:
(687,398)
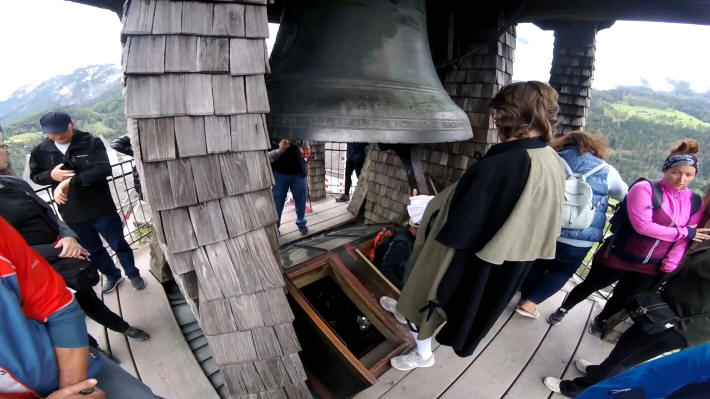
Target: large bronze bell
(358,71)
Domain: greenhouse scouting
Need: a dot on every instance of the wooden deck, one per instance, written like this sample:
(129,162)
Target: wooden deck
(165,362)
(509,363)
(326,214)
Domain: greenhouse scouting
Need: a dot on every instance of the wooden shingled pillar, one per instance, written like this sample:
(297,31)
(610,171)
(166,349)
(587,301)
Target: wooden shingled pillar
(572,69)
(195,103)
(316,171)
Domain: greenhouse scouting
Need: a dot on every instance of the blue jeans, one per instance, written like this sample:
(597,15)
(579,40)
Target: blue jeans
(297,184)
(118,384)
(547,276)
(111,229)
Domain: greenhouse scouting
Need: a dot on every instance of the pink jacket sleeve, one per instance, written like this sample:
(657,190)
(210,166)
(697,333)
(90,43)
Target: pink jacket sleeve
(640,209)
(676,253)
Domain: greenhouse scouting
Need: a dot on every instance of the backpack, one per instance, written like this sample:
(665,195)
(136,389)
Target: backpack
(620,223)
(383,239)
(578,208)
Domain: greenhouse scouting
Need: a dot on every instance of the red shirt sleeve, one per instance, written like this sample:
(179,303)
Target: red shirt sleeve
(42,291)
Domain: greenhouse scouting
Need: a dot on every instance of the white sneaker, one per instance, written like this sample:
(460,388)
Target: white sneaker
(582,365)
(553,384)
(390,305)
(411,360)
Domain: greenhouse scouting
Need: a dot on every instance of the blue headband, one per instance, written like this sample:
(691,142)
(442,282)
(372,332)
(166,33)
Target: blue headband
(680,160)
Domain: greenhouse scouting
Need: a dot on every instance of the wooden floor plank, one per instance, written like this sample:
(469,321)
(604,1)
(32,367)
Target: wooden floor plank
(289,212)
(323,222)
(165,362)
(117,342)
(552,356)
(492,373)
(314,218)
(427,383)
(590,348)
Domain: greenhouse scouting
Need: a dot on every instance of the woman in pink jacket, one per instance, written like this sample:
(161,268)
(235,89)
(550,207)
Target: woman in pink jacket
(651,246)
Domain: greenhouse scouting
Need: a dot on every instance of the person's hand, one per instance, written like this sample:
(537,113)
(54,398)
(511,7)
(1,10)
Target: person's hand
(72,391)
(283,145)
(61,192)
(702,234)
(59,174)
(71,248)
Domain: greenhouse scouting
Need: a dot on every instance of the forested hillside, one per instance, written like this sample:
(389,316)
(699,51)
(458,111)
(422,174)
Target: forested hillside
(642,125)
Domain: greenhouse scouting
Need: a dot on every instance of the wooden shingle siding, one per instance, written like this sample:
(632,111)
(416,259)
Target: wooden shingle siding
(197,17)
(257,100)
(297,391)
(247,57)
(148,55)
(228,20)
(182,182)
(168,17)
(229,94)
(212,54)
(249,133)
(208,178)
(234,347)
(139,18)
(218,134)
(208,223)
(181,53)
(179,235)
(195,99)
(190,136)
(216,317)
(257,23)
(157,139)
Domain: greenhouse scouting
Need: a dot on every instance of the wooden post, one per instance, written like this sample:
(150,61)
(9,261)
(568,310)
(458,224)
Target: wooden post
(195,103)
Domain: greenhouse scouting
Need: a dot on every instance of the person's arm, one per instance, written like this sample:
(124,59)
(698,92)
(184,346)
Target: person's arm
(62,229)
(45,298)
(99,166)
(639,206)
(274,155)
(617,186)
(675,255)
(38,174)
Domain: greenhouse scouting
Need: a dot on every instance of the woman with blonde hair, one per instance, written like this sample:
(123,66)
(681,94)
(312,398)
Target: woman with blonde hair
(651,239)
(585,154)
(478,237)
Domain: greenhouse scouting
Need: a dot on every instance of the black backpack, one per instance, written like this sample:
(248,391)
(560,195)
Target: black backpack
(620,225)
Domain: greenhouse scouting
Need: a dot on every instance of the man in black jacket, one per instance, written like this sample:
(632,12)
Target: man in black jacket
(356,153)
(76,165)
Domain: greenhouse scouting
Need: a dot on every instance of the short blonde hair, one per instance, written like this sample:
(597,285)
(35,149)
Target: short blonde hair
(521,107)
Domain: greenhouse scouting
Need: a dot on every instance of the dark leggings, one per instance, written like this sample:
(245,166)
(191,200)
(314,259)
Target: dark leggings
(97,311)
(600,276)
(634,347)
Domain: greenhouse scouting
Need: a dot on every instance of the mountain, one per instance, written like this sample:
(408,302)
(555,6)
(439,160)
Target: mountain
(642,125)
(84,86)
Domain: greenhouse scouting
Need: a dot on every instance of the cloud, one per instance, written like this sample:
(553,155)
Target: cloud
(44,38)
(652,54)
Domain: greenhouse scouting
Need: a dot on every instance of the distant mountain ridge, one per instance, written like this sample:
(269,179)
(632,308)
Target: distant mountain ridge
(84,86)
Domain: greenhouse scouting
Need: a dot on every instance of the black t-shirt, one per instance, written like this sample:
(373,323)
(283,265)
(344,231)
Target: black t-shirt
(26,216)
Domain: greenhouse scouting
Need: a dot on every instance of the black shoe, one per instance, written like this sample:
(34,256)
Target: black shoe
(597,327)
(555,318)
(137,283)
(111,285)
(343,198)
(137,334)
(303,230)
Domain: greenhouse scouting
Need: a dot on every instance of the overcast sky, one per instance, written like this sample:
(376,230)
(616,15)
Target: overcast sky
(43,38)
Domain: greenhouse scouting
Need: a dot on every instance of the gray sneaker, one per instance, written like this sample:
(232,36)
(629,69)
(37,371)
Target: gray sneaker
(137,334)
(597,327)
(137,283)
(111,285)
(555,318)
(411,360)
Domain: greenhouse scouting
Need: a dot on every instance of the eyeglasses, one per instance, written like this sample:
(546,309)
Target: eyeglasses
(3,147)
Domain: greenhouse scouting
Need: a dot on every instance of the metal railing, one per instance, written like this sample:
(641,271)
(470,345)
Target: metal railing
(134,212)
(586,265)
(335,157)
